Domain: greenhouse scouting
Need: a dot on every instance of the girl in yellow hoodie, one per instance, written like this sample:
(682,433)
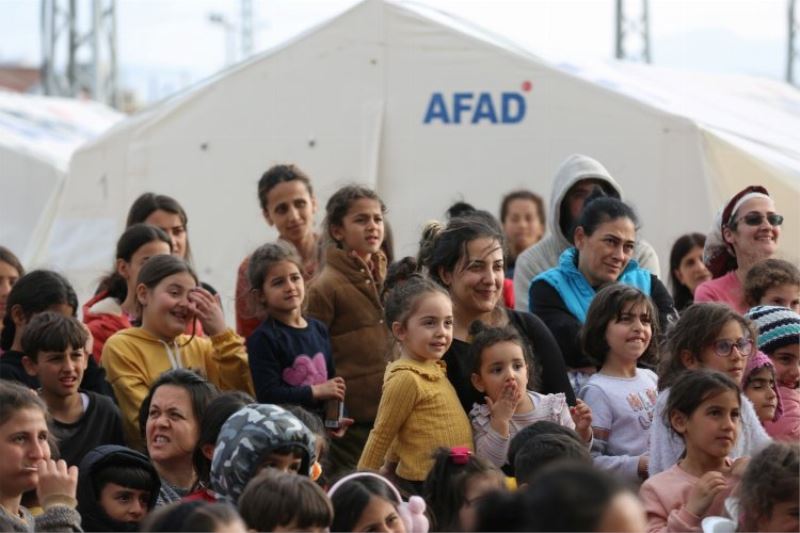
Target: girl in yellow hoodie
(170,298)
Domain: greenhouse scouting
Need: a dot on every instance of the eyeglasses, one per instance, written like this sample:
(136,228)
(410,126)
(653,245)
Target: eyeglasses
(756,219)
(724,347)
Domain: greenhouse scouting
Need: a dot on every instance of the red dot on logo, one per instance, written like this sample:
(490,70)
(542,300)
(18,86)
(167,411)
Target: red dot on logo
(527,86)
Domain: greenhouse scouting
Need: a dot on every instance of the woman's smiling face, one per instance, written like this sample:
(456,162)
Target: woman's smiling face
(476,281)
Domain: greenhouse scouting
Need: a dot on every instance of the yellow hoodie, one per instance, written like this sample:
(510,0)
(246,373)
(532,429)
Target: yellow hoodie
(134,359)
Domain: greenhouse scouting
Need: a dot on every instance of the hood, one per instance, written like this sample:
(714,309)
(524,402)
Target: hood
(247,437)
(575,168)
(756,362)
(93,518)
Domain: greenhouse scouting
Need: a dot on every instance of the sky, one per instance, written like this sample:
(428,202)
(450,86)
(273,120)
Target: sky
(165,45)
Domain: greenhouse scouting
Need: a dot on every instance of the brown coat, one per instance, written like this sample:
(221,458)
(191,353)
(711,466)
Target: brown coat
(346,297)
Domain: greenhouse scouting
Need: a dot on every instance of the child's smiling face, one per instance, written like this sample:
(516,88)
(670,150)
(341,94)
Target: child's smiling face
(787,365)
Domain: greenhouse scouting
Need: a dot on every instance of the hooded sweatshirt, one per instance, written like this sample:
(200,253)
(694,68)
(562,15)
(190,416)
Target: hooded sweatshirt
(134,358)
(247,438)
(94,518)
(544,255)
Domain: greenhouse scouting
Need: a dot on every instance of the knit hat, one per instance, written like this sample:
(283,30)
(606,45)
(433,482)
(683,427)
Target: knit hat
(777,327)
(756,362)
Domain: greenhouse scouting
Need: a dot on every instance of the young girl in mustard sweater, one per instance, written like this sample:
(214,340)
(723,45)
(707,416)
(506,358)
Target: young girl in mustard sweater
(419,409)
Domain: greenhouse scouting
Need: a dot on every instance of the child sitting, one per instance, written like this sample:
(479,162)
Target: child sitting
(117,487)
(773,282)
(704,410)
(55,355)
(274,501)
(770,489)
(620,330)
(779,338)
(501,368)
(761,388)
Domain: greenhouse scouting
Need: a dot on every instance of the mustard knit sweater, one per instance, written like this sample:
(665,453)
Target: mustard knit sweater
(419,412)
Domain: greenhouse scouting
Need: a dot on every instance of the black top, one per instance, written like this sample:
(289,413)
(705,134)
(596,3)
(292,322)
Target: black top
(101,423)
(566,327)
(543,346)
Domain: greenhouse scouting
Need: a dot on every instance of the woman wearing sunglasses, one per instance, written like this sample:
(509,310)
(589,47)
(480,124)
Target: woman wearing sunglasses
(745,231)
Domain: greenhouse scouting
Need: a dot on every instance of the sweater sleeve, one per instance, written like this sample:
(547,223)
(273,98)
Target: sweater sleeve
(489,444)
(659,518)
(625,466)
(265,367)
(59,518)
(226,362)
(399,397)
(130,385)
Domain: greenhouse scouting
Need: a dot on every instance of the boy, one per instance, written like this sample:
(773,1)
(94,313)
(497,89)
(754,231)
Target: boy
(773,282)
(274,501)
(54,353)
(543,450)
(117,487)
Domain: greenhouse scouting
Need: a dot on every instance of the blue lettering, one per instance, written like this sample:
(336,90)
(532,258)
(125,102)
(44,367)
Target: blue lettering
(484,109)
(461,104)
(437,109)
(509,117)
(512,108)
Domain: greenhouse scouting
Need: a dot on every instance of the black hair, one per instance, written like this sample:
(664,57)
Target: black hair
(693,388)
(278,174)
(771,477)
(543,450)
(162,266)
(339,204)
(314,423)
(133,238)
(523,194)
(600,208)
(565,220)
(402,301)
(541,427)
(264,258)
(35,292)
(216,413)
(190,516)
(272,499)
(352,497)
(15,397)
(7,256)
(681,294)
(459,209)
(148,203)
(484,337)
(200,390)
(126,475)
(52,332)
(607,307)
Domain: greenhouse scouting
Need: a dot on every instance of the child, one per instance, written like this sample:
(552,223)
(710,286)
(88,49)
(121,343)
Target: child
(773,282)
(346,298)
(364,501)
(500,370)
(779,339)
(287,203)
(703,409)
(114,306)
(117,487)
(289,355)
(195,516)
(256,437)
(170,299)
(10,271)
(541,451)
(619,332)
(80,420)
(523,218)
(27,465)
(419,410)
(274,501)
(770,489)
(455,484)
(712,336)
(321,440)
(542,427)
(760,387)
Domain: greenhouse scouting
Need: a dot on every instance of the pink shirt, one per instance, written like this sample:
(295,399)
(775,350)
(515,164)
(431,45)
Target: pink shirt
(787,428)
(726,289)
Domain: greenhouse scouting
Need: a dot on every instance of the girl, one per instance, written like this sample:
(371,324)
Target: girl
(10,271)
(618,334)
(455,485)
(166,213)
(27,465)
(289,355)
(501,367)
(769,491)
(773,282)
(712,336)
(523,218)
(346,298)
(287,203)
(364,501)
(171,301)
(760,387)
(686,268)
(419,409)
(703,409)
(114,306)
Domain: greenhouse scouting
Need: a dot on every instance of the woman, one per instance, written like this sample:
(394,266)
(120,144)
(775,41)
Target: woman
(10,271)
(466,257)
(686,268)
(604,236)
(169,421)
(745,231)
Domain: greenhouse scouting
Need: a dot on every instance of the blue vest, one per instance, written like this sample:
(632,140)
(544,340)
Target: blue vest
(575,290)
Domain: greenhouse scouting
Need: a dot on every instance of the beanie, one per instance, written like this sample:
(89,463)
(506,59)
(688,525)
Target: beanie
(777,327)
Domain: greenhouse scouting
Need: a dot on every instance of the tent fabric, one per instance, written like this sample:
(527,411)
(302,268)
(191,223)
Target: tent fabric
(428,110)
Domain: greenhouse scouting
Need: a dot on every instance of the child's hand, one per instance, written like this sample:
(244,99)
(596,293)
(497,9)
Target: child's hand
(333,389)
(582,417)
(55,479)
(208,310)
(739,466)
(344,423)
(704,491)
(503,408)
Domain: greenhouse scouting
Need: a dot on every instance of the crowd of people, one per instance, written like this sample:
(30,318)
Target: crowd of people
(530,372)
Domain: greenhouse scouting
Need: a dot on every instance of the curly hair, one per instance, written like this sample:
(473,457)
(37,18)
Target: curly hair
(766,275)
(772,476)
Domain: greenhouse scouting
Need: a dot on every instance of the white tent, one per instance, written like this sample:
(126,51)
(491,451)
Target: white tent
(427,109)
(38,135)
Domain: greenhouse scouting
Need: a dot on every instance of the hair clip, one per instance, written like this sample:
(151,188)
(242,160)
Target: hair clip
(460,455)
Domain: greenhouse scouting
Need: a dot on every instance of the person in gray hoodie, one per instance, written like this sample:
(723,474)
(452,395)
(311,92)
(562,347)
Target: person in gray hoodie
(575,179)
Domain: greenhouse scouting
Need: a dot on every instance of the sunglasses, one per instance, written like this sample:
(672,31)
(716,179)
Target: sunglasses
(724,347)
(756,219)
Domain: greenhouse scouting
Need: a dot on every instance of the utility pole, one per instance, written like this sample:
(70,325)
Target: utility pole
(79,49)
(247,28)
(632,35)
(793,50)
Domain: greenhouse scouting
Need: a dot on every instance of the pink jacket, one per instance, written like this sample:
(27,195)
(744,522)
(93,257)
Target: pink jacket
(787,428)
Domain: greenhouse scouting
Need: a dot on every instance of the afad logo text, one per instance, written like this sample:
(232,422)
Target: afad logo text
(464,107)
